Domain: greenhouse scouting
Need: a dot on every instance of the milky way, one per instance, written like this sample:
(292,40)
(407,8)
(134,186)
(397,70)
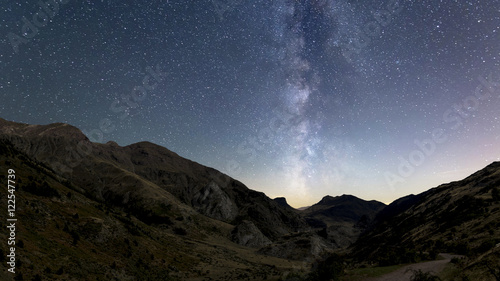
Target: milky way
(294,98)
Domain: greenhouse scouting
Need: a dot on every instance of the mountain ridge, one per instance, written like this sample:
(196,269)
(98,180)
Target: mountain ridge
(461,217)
(148,165)
(84,195)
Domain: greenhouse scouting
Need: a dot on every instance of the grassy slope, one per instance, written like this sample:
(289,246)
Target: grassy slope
(462,217)
(67,235)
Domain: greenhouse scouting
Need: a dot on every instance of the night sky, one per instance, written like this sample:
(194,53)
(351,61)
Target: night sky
(300,99)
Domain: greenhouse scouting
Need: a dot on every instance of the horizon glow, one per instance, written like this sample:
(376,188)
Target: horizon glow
(297,99)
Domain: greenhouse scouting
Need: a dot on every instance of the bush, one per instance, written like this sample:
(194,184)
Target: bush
(486,246)
(419,275)
(399,255)
(330,269)
(495,193)
(461,248)
(180,231)
(133,229)
(75,236)
(43,189)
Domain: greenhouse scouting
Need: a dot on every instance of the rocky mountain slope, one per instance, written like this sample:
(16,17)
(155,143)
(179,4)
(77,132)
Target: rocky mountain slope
(91,210)
(142,212)
(282,201)
(461,217)
(342,218)
(336,223)
(145,178)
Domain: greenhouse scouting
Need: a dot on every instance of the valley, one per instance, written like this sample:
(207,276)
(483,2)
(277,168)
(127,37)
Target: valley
(92,211)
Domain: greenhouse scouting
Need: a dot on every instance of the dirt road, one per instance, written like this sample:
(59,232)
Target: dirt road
(404,274)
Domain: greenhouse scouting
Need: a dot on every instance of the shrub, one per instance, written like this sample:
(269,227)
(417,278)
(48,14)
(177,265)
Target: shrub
(180,231)
(419,275)
(327,270)
(133,229)
(433,254)
(43,189)
(495,193)
(75,236)
(461,248)
(486,246)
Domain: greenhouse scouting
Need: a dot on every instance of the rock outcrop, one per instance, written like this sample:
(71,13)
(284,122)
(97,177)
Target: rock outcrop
(247,234)
(148,180)
(212,201)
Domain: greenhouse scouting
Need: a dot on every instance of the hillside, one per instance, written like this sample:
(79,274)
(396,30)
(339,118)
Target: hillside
(141,212)
(461,217)
(101,211)
(143,177)
(343,218)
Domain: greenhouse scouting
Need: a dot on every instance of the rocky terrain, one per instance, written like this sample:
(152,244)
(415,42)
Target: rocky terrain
(461,217)
(342,218)
(141,212)
(116,211)
(105,211)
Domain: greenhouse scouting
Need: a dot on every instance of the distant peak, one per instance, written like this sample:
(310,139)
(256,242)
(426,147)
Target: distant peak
(52,130)
(494,164)
(328,200)
(112,143)
(145,144)
(282,201)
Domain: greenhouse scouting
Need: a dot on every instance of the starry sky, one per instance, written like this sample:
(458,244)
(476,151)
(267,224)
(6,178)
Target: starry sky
(300,99)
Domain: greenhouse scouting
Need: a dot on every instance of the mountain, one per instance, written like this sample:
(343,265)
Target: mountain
(92,210)
(282,202)
(144,178)
(343,218)
(461,217)
(337,222)
(346,208)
